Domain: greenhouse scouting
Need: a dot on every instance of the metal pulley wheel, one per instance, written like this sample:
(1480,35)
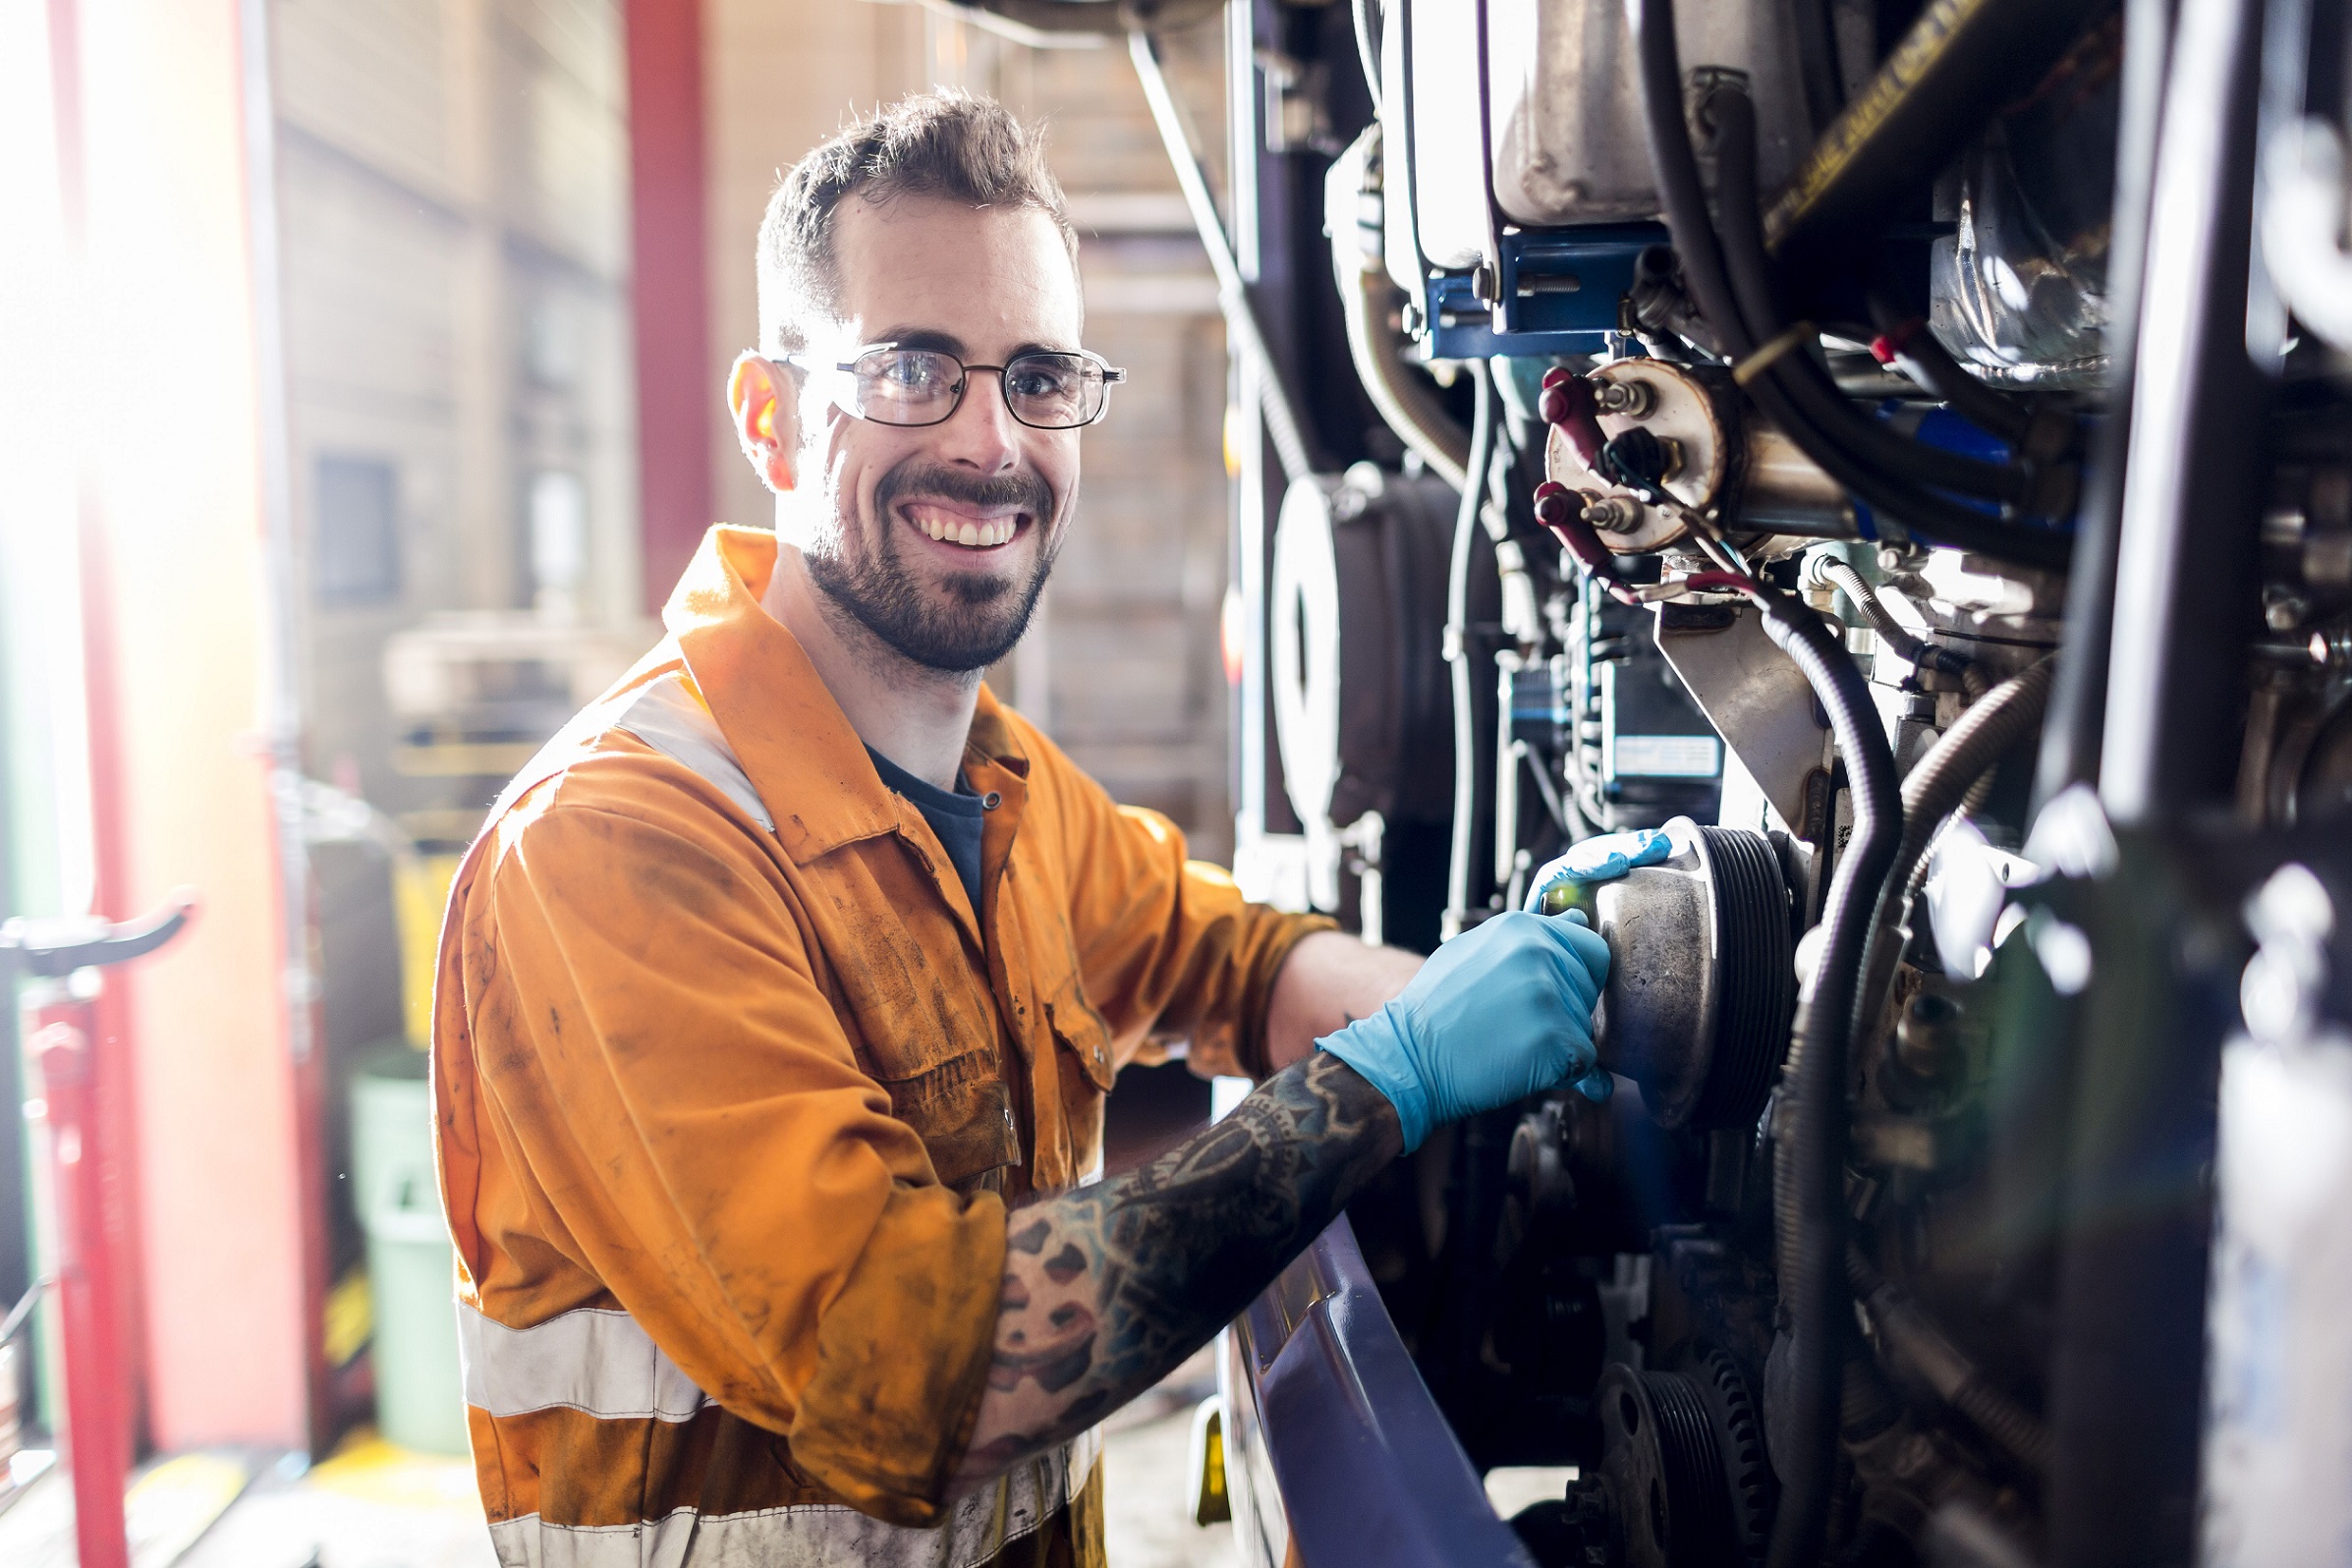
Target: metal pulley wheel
(1703,990)
(1363,715)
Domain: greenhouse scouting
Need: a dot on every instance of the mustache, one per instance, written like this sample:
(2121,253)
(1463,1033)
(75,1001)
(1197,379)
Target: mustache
(1023,488)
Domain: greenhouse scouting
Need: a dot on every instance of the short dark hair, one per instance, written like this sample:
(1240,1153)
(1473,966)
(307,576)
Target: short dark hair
(946,143)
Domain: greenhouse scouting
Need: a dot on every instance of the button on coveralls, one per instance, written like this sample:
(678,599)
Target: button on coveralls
(732,1089)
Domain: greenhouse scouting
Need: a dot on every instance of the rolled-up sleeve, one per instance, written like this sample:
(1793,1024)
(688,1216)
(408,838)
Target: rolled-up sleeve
(653,1045)
(1168,948)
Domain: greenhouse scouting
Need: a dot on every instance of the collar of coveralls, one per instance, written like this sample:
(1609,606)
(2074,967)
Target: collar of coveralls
(787,732)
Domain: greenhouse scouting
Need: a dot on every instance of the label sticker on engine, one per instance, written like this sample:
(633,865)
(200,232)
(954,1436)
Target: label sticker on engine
(1666,757)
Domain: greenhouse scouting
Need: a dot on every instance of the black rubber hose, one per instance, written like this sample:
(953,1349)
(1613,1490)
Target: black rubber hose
(1816,1142)
(1817,62)
(1684,203)
(1796,373)
(1659,62)
(1936,786)
(1920,356)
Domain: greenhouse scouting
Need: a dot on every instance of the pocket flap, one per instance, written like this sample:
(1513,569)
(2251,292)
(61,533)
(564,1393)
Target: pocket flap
(1078,1030)
(963,1112)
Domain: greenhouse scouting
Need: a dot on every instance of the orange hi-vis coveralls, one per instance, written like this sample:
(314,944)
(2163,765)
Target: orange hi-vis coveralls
(733,1085)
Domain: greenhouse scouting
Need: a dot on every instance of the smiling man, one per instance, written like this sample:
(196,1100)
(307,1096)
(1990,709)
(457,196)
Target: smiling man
(778,999)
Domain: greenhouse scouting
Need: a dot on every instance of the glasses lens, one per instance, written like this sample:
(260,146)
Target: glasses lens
(1054,391)
(906,386)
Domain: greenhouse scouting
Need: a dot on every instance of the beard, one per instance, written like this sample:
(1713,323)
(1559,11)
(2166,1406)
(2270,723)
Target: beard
(984,614)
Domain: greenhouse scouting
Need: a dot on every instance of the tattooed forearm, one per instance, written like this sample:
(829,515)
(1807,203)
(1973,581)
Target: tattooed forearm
(1107,1288)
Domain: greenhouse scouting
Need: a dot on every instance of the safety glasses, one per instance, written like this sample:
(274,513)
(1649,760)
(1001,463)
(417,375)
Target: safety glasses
(893,385)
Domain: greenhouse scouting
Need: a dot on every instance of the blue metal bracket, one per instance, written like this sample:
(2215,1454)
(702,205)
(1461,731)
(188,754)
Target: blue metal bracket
(1560,290)
(1321,1392)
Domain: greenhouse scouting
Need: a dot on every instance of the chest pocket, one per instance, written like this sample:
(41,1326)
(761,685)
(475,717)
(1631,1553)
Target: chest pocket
(963,1112)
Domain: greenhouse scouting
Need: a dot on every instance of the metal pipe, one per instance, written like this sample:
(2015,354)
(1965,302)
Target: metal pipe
(1458,656)
(2071,741)
(1242,328)
(1405,398)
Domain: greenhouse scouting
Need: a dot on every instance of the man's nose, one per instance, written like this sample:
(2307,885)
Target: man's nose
(983,431)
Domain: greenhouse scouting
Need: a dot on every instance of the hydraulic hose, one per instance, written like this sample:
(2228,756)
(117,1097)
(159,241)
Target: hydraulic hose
(1942,781)
(1733,115)
(1811,1159)
(1857,451)
(1684,203)
(1458,651)
(1404,397)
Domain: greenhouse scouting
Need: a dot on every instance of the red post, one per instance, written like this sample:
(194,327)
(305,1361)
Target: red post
(89,1260)
(669,288)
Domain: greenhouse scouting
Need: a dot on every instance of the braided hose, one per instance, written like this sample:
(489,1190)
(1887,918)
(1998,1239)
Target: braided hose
(1909,1335)
(1906,645)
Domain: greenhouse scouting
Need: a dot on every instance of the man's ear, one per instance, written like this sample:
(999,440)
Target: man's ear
(763,405)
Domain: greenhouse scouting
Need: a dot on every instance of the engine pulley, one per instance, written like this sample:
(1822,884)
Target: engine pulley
(1703,990)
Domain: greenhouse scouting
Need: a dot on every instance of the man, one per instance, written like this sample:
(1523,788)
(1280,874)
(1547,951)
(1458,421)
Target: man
(778,999)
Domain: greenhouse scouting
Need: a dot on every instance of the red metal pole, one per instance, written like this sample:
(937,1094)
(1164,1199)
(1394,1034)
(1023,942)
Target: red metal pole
(669,288)
(106,1022)
(89,1279)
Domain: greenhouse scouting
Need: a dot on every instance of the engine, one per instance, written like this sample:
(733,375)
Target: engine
(1902,451)
(1782,361)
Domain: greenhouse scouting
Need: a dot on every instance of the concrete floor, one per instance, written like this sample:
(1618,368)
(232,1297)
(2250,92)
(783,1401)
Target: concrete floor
(375,1507)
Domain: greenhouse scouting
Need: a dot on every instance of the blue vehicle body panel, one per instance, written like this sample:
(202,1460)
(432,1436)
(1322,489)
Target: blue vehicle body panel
(1333,1445)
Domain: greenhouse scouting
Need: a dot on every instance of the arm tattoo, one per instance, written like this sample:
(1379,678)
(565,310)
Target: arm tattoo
(1107,1288)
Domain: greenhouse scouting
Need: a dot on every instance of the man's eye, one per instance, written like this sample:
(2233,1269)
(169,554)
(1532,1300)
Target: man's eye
(1042,381)
(910,373)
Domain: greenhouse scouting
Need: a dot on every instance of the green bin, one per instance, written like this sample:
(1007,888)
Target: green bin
(420,1397)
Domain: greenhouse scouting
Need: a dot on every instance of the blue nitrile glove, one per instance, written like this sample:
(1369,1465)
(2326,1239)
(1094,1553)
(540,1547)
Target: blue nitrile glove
(1498,1014)
(1597,859)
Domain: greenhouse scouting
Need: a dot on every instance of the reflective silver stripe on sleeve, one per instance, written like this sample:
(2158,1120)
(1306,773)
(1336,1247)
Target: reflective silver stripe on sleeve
(664,715)
(594,1360)
(823,1536)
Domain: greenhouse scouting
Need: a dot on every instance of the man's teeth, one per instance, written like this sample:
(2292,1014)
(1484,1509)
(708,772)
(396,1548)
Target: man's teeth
(973,535)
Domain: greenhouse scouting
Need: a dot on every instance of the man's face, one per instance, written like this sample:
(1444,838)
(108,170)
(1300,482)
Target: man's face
(894,505)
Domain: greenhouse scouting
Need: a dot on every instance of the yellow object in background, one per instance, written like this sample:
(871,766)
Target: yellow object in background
(420,893)
(348,1317)
(368,1467)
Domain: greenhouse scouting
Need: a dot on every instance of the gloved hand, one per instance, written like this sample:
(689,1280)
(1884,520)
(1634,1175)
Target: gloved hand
(1498,1014)
(1597,859)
